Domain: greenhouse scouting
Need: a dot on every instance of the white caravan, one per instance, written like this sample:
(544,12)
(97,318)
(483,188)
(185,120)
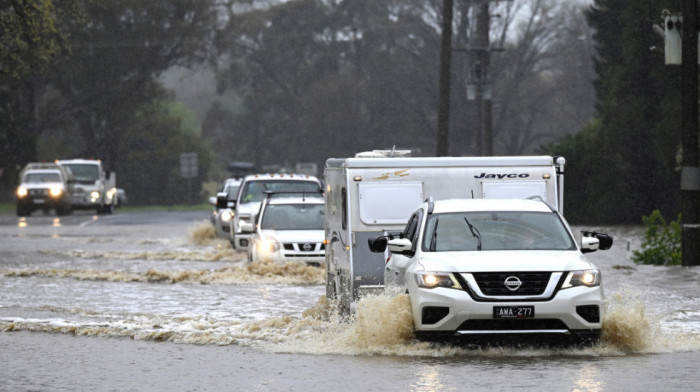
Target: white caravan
(374,194)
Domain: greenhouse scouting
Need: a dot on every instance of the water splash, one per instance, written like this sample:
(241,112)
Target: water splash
(381,326)
(260,272)
(629,328)
(203,234)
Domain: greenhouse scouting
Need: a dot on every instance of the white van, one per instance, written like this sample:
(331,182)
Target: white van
(374,194)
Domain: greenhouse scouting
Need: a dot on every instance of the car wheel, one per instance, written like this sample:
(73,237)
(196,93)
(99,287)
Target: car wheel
(62,210)
(23,211)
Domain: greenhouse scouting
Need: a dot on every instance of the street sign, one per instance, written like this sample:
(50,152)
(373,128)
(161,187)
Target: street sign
(188,165)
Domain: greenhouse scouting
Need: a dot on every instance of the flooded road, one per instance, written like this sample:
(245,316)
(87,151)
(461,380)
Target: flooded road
(149,301)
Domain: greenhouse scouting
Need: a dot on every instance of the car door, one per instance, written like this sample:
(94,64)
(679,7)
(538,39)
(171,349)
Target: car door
(394,274)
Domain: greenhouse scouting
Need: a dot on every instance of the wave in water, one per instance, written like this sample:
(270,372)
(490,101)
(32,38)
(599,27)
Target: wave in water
(216,254)
(260,272)
(381,326)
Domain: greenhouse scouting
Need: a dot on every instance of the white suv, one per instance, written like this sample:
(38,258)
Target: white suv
(252,193)
(492,269)
(289,228)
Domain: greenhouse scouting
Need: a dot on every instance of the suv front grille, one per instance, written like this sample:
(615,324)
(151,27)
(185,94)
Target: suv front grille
(512,325)
(493,283)
(303,247)
(38,192)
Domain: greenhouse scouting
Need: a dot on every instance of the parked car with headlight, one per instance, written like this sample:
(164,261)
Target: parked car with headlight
(252,193)
(223,203)
(290,227)
(491,268)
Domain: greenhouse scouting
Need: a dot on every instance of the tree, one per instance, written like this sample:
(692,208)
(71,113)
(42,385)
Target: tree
(31,43)
(633,143)
(153,140)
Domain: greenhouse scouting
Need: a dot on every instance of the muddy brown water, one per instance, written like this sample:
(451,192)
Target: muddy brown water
(151,301)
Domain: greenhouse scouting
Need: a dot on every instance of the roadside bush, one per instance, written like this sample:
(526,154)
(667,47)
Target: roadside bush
(662,241)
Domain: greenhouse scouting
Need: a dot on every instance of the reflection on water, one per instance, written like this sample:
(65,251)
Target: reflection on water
(22,222)
(56,222)
(588,379)
(428,379)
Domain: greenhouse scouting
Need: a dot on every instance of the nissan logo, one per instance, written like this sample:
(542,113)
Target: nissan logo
(307,247)
(512,283)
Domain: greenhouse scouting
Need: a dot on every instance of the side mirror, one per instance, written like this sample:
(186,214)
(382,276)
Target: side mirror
(212,200)
(221,201)
(248,228)
(377,245)
(400,246)
(602,241)
(606,241)
(589,244)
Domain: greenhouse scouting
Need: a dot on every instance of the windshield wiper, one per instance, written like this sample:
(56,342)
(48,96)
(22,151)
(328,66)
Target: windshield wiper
(475,233)
(433,239)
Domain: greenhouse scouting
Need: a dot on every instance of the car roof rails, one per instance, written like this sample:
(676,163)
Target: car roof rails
(269,194)
(431,204)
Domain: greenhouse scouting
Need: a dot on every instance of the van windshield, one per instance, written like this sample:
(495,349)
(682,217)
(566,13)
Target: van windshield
(84,172)
(497,230)
(254,191)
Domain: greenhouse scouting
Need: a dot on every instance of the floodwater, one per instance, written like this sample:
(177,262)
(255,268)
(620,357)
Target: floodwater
(152,302)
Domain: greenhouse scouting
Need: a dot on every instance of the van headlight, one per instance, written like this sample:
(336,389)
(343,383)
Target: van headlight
(431,280)
(226,216)
(22,192)
(588,278)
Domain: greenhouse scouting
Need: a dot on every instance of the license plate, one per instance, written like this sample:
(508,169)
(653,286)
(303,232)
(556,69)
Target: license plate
(38,201)
(513,312)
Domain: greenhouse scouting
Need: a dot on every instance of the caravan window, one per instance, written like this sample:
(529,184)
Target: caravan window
(389,202)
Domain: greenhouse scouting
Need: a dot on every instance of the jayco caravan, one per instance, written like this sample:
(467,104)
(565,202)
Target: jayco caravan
(374,194)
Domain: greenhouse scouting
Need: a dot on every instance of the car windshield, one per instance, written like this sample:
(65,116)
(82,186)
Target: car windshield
(84,172)
(232,192)
(293,217)
(254,191)
(42,177)
(498,230)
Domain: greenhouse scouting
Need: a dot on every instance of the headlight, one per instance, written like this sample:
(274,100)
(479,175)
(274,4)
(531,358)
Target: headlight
(588,278)
(95,195)
(436,279)
(55,191)
(22,192)
(226,215)
(268,245)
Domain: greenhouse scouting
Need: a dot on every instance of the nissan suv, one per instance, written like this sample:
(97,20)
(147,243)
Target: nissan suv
(491,269)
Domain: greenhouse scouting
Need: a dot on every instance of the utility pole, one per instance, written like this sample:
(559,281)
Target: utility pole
(443,131)
(690,172)
(479,82)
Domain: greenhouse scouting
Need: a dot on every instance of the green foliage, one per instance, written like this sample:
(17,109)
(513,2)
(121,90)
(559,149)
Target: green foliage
(149,151)
(662,241)
(76,75)
(30,40)
(627,164)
